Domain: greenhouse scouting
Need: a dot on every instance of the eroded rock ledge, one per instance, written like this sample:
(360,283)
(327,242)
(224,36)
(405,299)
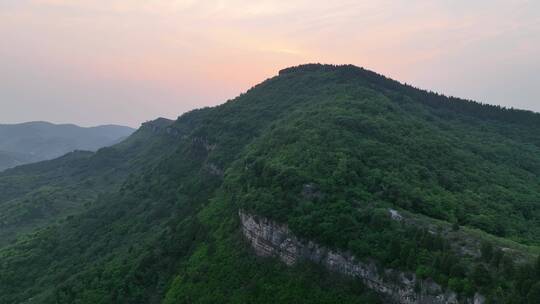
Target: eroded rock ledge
(271,239)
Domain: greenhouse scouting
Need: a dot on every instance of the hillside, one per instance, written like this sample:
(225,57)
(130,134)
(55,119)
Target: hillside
(36,195)
(368,183)
(10,160)
(37,141)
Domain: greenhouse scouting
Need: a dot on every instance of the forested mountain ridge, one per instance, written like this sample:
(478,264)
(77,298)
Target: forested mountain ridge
(328,150)
(37,141)
(38,194)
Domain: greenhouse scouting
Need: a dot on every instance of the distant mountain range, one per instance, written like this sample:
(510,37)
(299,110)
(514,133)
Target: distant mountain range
(37,141)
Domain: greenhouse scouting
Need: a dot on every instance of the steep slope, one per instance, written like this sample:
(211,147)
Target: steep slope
(438,189)
(36,141)
(38,194)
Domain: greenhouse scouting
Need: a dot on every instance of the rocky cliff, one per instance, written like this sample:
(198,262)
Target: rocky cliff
(271,239)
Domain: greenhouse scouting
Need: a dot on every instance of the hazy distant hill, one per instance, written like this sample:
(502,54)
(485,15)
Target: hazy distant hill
(36,141)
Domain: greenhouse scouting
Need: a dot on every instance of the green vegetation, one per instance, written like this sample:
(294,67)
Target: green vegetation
(328,150)
(39,194)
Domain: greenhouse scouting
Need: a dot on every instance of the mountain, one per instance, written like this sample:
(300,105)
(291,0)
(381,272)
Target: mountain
(323,184)
(37,141)
(11,159)
(39,194)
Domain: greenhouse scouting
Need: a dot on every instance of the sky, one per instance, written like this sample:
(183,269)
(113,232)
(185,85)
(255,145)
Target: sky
(93,62)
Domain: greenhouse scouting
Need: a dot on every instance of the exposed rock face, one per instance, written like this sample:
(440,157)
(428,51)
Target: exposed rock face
(270,239)
(311,191)
(394,214)
(158,125)
(204,143)
(213,169)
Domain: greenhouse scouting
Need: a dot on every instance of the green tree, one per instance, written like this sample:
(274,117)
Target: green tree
(486,248)
(533,297)
(455,284)
(394,250)
(507,266)
(537,267)
(411,259)
(481,276)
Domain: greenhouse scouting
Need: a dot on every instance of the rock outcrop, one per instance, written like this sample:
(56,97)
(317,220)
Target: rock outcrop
(271,239)
(158,125)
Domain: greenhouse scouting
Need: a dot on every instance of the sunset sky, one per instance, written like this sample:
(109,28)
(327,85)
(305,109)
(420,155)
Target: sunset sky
(127,61)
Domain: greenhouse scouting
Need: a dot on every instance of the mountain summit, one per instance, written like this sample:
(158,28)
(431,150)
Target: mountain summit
(324,184)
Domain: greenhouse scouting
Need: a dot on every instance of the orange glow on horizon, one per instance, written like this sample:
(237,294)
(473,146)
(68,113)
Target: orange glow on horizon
(174,55)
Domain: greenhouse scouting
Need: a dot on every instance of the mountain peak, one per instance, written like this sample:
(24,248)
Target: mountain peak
(159,122)
(320,67)
(344,72)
